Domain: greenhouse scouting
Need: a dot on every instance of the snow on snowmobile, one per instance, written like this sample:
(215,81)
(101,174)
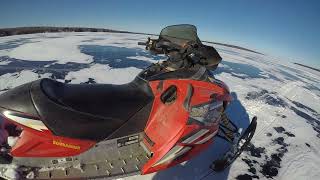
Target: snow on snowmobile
(167,115)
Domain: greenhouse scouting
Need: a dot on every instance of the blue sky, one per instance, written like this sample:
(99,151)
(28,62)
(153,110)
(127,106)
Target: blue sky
(284,28)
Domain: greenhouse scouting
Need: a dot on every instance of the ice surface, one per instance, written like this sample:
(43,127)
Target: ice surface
(281,94)
(61,50)
(9,171)
(103,74)
(10,80)
(63,47)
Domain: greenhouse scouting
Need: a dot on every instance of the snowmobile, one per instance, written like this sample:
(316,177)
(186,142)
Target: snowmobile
(167,115)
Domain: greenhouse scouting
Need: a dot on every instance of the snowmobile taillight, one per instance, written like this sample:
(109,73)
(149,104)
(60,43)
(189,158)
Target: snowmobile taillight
(206,114)
(25,120)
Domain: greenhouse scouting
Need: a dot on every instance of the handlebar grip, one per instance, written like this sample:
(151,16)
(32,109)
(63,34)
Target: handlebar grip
(195,59)
(142,43)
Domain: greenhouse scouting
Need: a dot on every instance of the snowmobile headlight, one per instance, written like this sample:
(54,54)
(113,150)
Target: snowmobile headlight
(207,113)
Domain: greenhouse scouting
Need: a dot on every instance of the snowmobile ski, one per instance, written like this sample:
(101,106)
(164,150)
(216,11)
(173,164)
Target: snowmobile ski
(239,141)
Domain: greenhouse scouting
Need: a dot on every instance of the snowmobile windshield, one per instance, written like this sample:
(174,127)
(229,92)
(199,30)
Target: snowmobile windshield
(180,33)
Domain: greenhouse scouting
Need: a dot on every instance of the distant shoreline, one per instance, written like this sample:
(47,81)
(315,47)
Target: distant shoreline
(48,29)
(43,29)
(234,46)
(307,67)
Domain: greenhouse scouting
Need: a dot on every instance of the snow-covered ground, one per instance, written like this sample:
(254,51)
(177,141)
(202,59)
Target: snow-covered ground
(284,96)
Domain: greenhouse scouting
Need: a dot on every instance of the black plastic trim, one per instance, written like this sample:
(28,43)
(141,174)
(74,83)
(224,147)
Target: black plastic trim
(160,86)
(169,95)
(150,142)
(187,100)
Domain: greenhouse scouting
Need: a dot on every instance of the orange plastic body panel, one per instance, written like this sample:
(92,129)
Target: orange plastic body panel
(168,122)
(34,143)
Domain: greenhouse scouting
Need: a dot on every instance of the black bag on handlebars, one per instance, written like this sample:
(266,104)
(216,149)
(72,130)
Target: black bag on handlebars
(212,57)
(184,48)
(183,34)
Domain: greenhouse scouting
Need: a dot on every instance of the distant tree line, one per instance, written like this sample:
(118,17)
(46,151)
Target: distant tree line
(307,67)
(234,46)
(32,30)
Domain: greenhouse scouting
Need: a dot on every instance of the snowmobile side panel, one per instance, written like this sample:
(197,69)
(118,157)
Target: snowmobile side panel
(206,92)
(167,126)
(33,143)
(166,119)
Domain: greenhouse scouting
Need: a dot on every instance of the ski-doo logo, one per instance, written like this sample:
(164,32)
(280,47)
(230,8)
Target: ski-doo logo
(71,146)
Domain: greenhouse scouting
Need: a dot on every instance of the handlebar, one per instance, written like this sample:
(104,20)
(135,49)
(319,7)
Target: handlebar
(163,46)
(195,59)
(142,43)
(151,45)
(186,54)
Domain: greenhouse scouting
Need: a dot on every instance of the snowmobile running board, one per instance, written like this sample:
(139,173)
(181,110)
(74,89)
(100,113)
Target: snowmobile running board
(109,159)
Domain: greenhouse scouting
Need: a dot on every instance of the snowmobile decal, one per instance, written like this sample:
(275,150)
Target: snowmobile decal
(174,153)
(195,136)
(204,140)
(71,146)
(207,113)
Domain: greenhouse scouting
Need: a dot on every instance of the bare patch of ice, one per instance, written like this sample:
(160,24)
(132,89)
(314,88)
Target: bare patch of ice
(10,80)
(9,172)
(103,74)
(62,50)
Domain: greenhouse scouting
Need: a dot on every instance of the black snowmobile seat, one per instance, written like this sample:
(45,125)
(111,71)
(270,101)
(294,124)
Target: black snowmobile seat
(90,111)
(104,100)
(83,111)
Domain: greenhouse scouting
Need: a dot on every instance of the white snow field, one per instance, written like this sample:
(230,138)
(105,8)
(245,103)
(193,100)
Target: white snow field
(284,96)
